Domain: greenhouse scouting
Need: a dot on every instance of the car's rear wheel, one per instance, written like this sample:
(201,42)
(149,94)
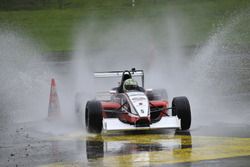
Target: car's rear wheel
(181,108)
(157,94)
(93,117)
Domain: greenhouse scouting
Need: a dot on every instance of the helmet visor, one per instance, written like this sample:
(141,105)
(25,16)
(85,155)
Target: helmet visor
(130,87)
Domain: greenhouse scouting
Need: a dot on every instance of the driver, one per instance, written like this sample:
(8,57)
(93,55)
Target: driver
(130,84)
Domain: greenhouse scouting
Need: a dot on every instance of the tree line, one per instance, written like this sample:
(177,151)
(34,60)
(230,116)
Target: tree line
(31,4)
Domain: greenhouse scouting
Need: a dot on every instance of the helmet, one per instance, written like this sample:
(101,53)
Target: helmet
(130,84)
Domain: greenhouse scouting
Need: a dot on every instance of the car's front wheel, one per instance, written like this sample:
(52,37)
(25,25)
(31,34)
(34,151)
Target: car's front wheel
(93,116)
(181,108)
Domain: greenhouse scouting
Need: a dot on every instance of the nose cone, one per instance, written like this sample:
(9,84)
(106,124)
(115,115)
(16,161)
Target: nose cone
(140,103)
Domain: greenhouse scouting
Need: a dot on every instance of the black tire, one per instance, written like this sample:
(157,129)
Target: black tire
(157,94)
(93,117)
(181,108)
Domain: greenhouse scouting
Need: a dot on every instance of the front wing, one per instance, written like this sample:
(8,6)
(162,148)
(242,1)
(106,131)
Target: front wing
(114,124)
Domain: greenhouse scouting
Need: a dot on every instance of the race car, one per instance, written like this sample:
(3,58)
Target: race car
(134,107)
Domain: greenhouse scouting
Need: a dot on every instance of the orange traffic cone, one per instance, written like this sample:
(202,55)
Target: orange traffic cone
(54,106)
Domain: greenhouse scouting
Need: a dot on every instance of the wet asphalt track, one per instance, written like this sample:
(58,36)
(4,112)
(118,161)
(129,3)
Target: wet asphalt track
(30,145)
(65,144)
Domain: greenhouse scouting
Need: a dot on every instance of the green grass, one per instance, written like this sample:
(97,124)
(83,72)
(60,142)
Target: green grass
(55,28)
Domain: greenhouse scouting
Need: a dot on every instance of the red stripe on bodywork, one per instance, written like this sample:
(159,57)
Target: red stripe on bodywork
(110,105)
(158,104)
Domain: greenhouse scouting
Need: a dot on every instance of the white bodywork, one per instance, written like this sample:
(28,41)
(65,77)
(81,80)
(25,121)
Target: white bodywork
(139,103)
(112,124)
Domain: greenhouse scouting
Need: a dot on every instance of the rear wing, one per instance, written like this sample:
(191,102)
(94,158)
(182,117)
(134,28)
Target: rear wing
(111,74)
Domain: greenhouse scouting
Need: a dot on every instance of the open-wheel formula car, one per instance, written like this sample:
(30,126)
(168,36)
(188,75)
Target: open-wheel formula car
(135,108)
